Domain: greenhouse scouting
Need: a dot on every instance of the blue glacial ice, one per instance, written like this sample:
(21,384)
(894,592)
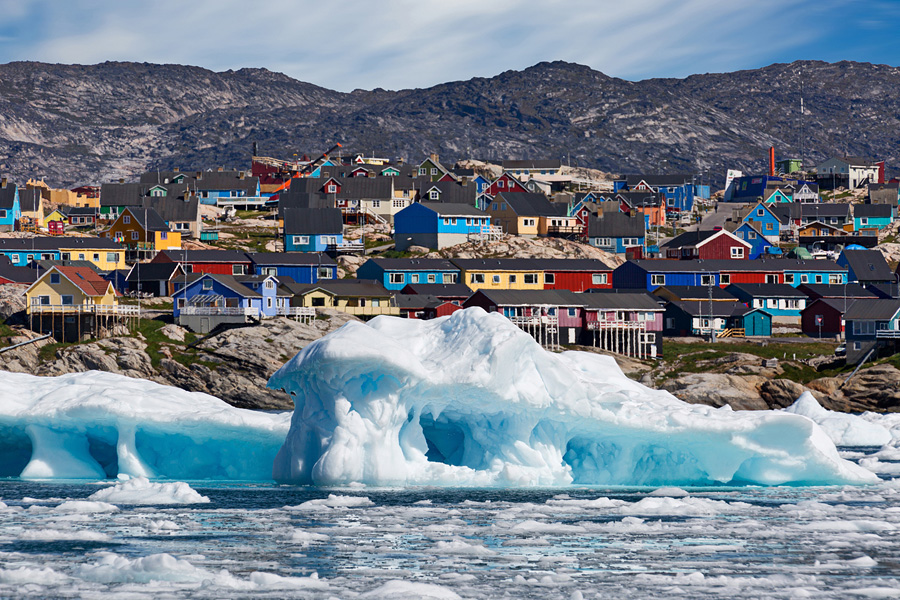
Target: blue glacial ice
(97,425)
(471,400)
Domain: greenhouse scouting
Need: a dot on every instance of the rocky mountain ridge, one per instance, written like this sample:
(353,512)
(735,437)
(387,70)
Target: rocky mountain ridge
(74,124)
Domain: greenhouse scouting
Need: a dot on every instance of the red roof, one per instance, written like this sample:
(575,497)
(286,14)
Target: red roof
(87,280)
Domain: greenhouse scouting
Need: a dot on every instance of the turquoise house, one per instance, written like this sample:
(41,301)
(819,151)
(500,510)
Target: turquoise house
(10,209)
(873,216)
(397,273)
(313,229)
(756,323)
(800,271)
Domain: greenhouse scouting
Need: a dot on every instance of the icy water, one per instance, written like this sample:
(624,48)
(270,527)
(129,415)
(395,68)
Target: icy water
(269,541)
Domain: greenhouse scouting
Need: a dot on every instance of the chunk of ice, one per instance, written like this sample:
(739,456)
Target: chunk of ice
(141,491)
(471,399)
(843,429)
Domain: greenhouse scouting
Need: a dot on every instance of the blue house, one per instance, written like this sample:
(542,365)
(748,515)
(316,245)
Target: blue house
(866,267)
(10,209)
(677,189)
(397,273)
(615,232)
(306,267)
(437,225)
(759,245)
(313,229)
(873,216)
(765,221)
(256,294)
(651,274)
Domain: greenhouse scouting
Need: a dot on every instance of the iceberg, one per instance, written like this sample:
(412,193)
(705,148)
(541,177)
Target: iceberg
(472,400)
(97,425)
(843,429)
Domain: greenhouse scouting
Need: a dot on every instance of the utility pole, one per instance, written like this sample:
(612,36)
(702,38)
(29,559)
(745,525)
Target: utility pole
(712,322)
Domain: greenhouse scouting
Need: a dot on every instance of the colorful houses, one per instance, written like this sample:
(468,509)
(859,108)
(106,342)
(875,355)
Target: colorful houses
(866,266)
(313,229)
(780,300)
(759,244)
(143,232)
(873,216)
(302,267)
(764,220)
(397,273)
(437,225)
(529,215)
(209,300)
(221,262)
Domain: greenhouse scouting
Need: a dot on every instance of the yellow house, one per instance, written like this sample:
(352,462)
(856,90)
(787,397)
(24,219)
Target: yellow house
(142,229)
(500,273)
(56,215)
(105,254)
(353,296)
(69,289)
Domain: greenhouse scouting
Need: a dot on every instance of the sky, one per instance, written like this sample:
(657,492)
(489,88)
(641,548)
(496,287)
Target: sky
(400,44)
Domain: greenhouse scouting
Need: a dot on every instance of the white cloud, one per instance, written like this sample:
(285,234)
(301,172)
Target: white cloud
(408,43)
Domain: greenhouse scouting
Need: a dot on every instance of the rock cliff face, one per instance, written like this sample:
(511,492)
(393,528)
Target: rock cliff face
(88,124)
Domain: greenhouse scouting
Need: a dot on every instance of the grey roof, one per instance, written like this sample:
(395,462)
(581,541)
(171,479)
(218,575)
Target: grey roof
(410,301)
(824,290)
(615,224)
(17,274)
(447,209)
(133,194)
(659,180)
(205,256)
(533,297)
(867,265)
(448,191)
(147,218)
(153,271)
(29,199)
(532,164)
(530,264)
(582,265)
(232,283)
(304,221)
(206,180)
(717,309)
(873,210)
(766,290)
(440,290)
(620,301)
(825,209)
(872,310)
(81,211)
(695,292)
(290,258)
(8,195)
(786,211)
(838,304)
(689,238)
(289,200)
(528,204)
(414,264)
(359,288)
(352,188)
(641,199)
(174,208)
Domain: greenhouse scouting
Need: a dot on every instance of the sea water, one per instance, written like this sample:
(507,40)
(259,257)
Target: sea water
(278,541)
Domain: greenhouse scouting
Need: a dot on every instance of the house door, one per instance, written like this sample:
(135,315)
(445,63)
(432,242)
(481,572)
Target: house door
(204,324)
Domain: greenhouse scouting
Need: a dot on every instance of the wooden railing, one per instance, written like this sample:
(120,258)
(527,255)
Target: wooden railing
(119,310)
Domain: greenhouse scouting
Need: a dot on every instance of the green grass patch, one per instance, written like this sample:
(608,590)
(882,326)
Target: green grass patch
(252,214)
(48,351)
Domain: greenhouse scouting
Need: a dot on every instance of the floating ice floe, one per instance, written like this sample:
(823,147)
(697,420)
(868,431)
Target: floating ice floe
(470,399)
(97,425)
(843,429)
(140,490)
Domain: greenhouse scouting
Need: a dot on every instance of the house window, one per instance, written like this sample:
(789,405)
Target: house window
(41,300)
(789,278)
(434,171)
(270,284)
(751,235)
(818,279)
(163,235)
(398,203)
(449,278)
(707,280)
(493,206)
(237,269)
(375,301)
(54,278)
(770,227)
(318,301)
(414,278)
(207,284)
(2,213)
(834,279)
(598,278)
(329,240)
(737,252)
(453,221)
(134,235)
(446,220)
(376,203)
(657,280)
(324,273)
(573,312)
(725,278)
(300,240)
(423,171)
(476,278)
(268,303)
(804,279)
(771,278)
(630,242)
(112,257)
(549,278)
(432,278)
(126,219)
(181,303)
(434,194)
(864,220)
(495,279)
(760,212)
(332,189)
(500,184)
(528,222)
(396,278)
(67,300)
(512,278)
(531,278)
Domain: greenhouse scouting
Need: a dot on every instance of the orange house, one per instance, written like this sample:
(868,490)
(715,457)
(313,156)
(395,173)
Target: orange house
(143,230)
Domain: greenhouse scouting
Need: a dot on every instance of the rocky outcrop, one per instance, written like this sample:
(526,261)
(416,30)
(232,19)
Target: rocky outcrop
(511,246)
(234,365)
(719,389)
(12,300)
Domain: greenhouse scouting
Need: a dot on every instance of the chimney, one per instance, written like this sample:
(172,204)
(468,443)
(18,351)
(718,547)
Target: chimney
(464,181)
(771,161)
(220,169)
(199,175)
(175,169)
(241,174)
(3,181)
(122,180)
(434,157)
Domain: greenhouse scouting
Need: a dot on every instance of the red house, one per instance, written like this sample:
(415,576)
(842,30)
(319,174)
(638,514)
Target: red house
(706,245)
(504,183)
(574,274)
(824,317)
(749,271)
(215,262)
